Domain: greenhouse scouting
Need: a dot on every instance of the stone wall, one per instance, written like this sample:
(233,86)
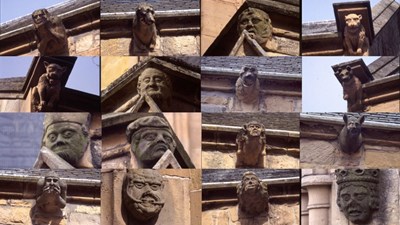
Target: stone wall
(16,212)
(168,46)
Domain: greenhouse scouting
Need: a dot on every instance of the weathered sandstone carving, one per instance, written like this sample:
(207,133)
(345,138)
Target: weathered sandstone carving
(142,195)
(355,40)
(350,138)
(144,28)
(66,134)
(247,89)
(50,33)
(352,89)
(150,138)
(252,195)
(251,145)
(154,86)
(357,194)
(46,94)
(258,24)
(51,196)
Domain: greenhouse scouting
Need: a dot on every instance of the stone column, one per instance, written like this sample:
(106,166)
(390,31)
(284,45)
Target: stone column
(304,206)
(318,184)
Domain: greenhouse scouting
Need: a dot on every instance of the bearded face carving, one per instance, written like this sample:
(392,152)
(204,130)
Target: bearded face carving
(142,194)
(252,195)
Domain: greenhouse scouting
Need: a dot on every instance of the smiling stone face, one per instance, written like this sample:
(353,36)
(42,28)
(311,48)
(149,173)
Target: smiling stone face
(142,194)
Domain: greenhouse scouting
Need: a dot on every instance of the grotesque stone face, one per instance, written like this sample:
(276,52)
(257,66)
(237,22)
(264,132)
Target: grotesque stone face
(68,140)
(150,138)
(156,84)
(257,23)
(357,195)
(255,129)
(40,16)
(51,195)
(252,195)
(353,20)
(150,145)
(142,194)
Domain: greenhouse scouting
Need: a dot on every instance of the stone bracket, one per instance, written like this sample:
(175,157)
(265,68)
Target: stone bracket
(359,69)
(168,159)
(51,159)
(361,7)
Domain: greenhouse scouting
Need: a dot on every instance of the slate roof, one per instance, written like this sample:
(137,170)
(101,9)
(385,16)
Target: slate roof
(57,9)
(110,6)
(83,174)
(328,26)
(210,175)
(385,66)
(391,118)
(279,121)
(266,64)
(12,84)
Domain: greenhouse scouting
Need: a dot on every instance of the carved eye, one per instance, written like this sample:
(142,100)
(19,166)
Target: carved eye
(346,197)
(146,80)
(52,137)
(139,185)
(255,21)
(167,139)
(68,134)
(244,22)
(150,136)
(155,187)
(158,79)
(360,197)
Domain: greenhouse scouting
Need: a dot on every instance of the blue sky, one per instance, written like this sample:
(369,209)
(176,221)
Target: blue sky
(321,90)
(84,76)
(11,9)
(317,10)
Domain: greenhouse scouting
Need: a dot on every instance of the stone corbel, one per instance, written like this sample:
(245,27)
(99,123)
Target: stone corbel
(51,159)
(168,160)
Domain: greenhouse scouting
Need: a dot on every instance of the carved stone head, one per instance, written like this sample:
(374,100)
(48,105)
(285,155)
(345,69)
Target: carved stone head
(40,17)
(252,194)
(357,195)
(257,23)
(344,74)
(143,194)
(150,138)
(156,84)
(66,134)
(51,196)
(254,128)
(353,20)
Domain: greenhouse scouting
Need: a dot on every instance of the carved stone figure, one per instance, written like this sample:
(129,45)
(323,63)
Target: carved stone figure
(50,34)
(355,40)
(247,89)
(51,195)
(150,138)
(47,92)
(252,195)
(66,134)
(152,83)
(251,144)
(258,24)
(352,89)
(350,138)
(357,194)
(142,195)
(144,28)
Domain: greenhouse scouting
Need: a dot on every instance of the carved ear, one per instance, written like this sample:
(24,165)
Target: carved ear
(46,64)
(361,119)
(345,118)
(63,69)
(348,68)
(360,16)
